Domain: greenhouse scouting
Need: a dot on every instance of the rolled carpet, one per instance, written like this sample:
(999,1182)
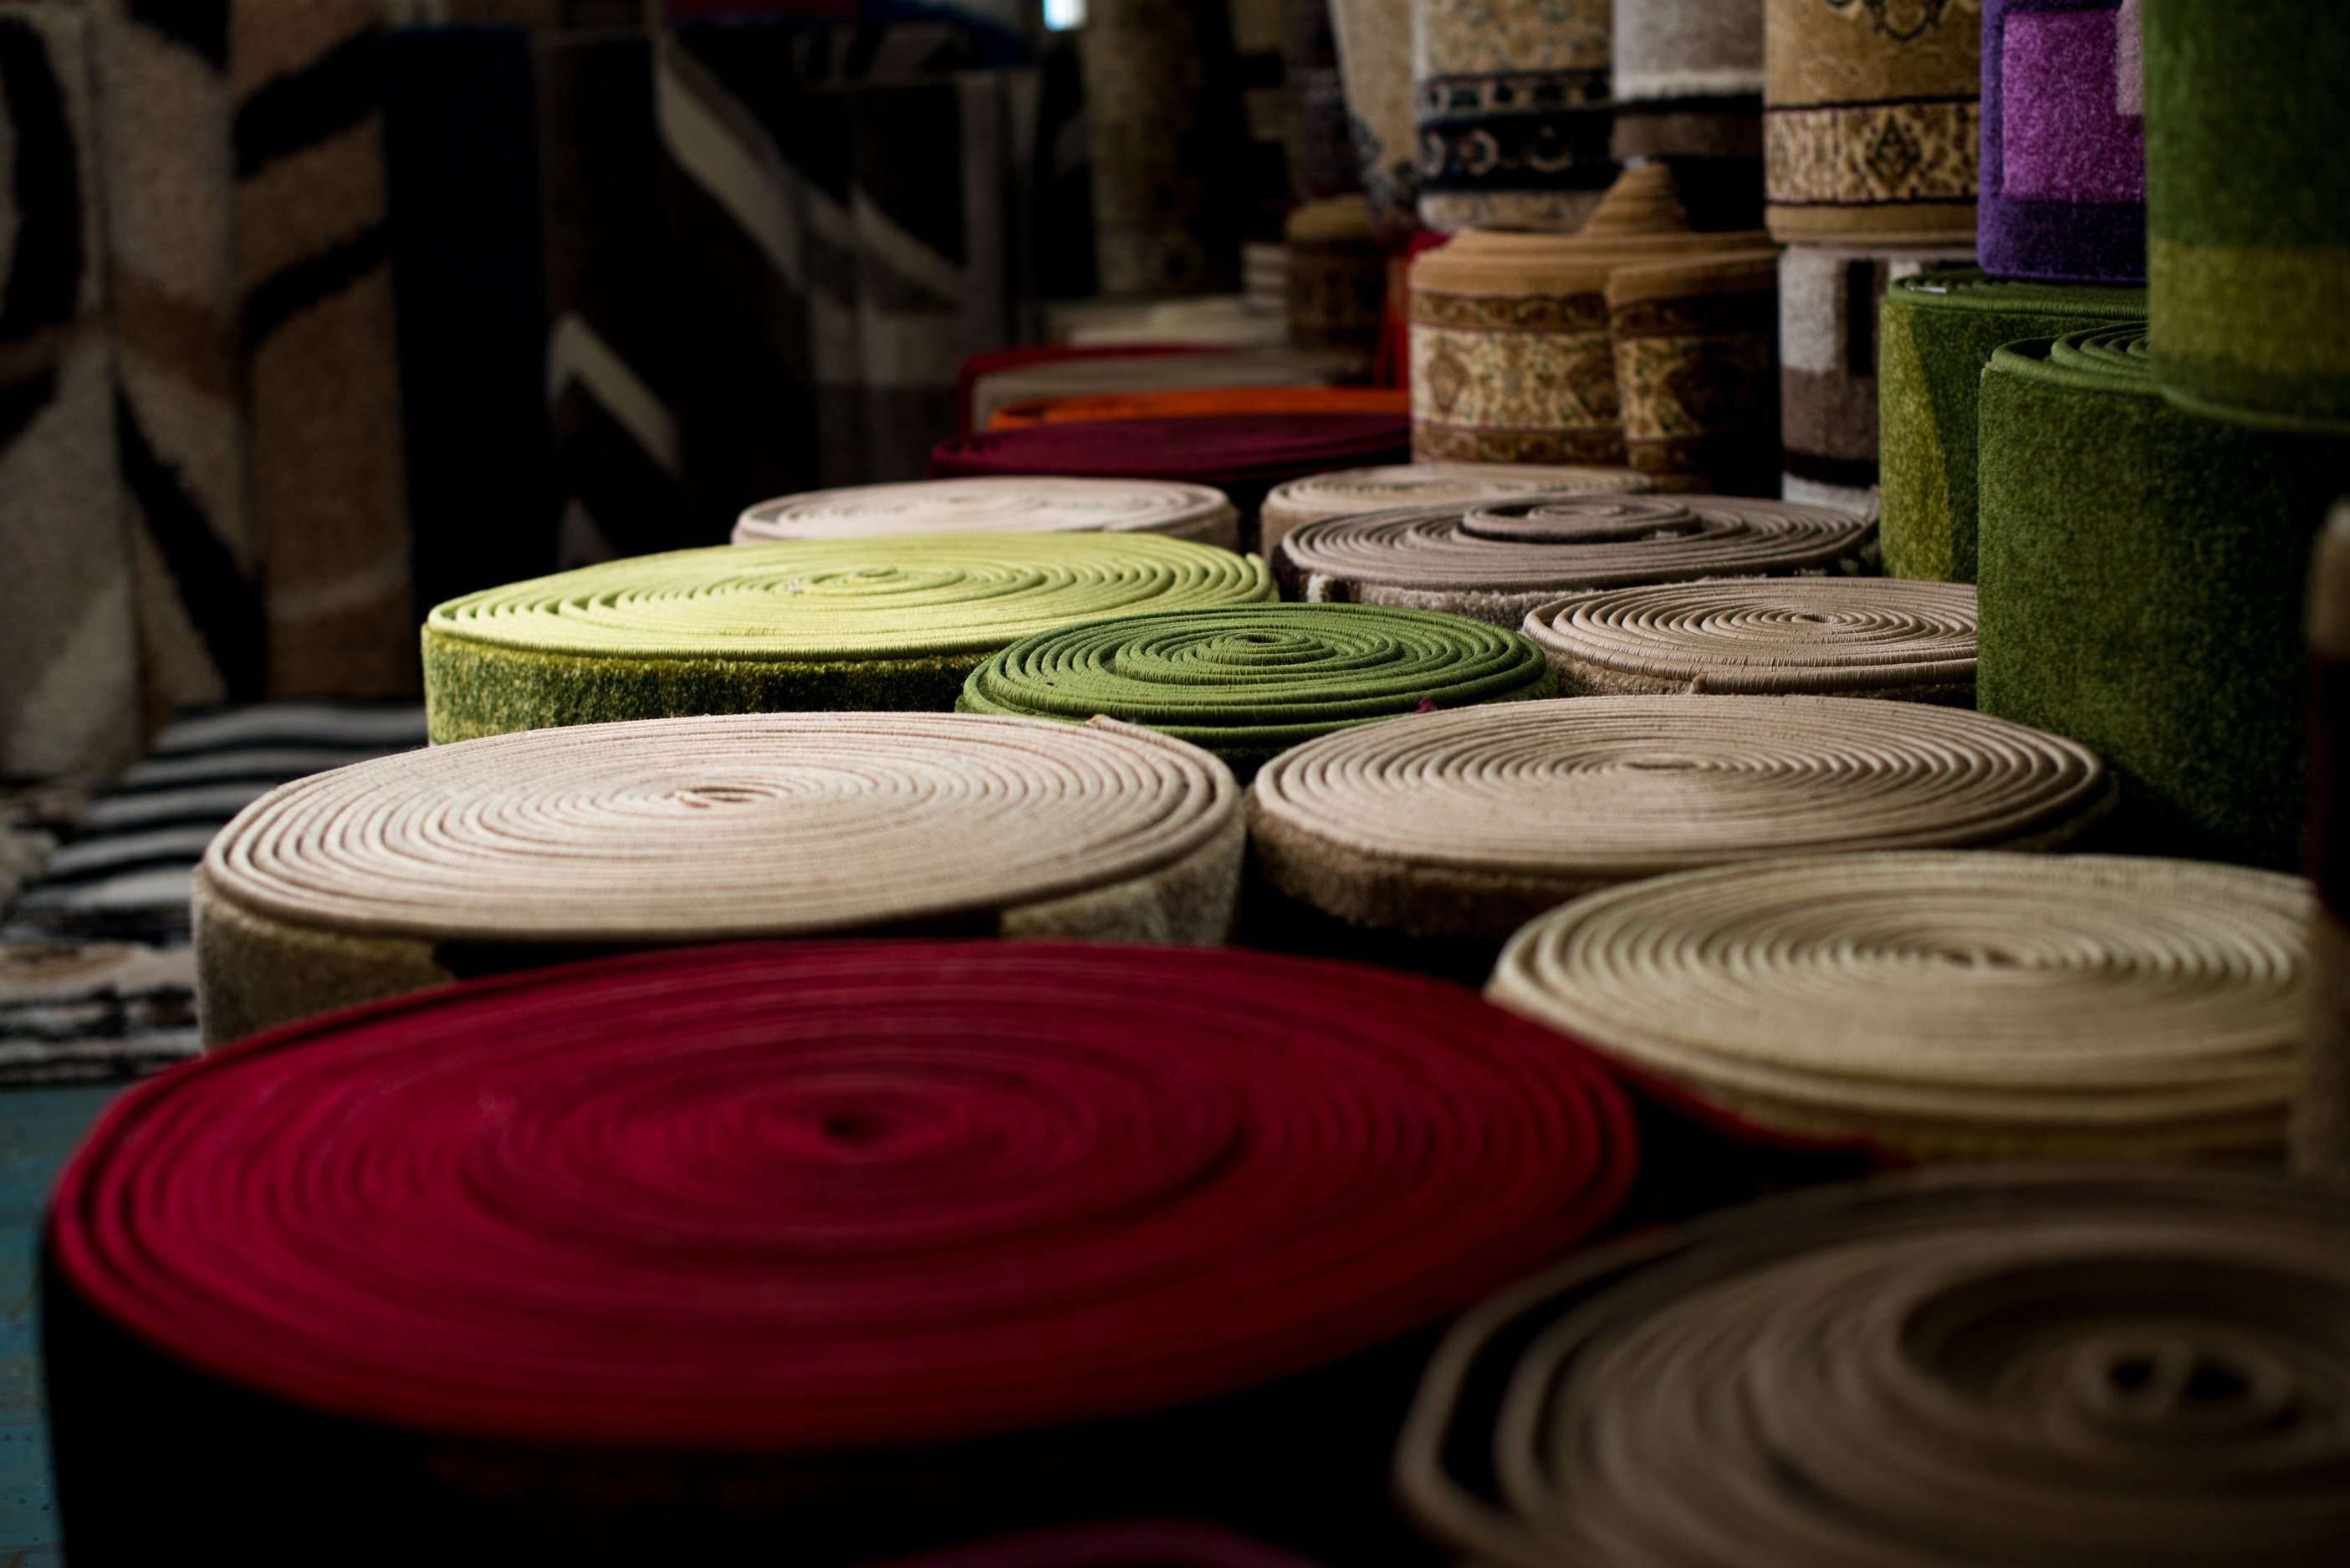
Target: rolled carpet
(2063,141)
(1766,637)
(1427,485)
(1499,560)
(1934,1369)
(1337,280)
(1251,682)
(890,623)
(1870,112)
(509,851)
(1191,511)
(1936,334)
(1471,823)
(1967,1006)
(977,369)
(1688,91)
(830,1250)
(1510,103)
(1191,402)
(1697,370)
(1112,369)
(2247,242)
(1163,100)
(1373,38)
(2321,1121)
(2143,574)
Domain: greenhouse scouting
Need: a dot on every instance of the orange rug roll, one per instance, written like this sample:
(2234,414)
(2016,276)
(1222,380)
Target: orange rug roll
(1189,402)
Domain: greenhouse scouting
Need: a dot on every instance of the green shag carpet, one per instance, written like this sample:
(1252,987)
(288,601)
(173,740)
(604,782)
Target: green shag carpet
(819,624)
(2143,574)
(1249,683)
(1934,335)
(2247,167)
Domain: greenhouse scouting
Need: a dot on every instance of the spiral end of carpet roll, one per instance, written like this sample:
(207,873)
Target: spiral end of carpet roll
(998,505)
(1402,484)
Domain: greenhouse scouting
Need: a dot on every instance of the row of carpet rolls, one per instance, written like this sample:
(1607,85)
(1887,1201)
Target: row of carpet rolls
(1197,1190)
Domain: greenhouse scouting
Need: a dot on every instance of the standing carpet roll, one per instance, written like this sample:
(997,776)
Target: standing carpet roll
(2321,1105)
(1163,97)
(1337,281)
(2143,570)
(1375,66)
(1935,333)
(998,505)
(1695,344)
(1511,111)
(892,623)
(1384,488)
(1688,92)
(2063,141)
(1321,143)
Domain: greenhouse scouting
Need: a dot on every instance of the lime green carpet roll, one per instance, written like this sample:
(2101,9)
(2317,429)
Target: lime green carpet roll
(2142,585)
(1249,683)
(2248,208)
(1936,335)
(811,624)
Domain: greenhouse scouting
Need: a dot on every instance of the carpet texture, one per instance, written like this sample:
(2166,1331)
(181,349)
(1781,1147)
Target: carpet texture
(1498,560)
(1511,106)
(1251,682)
(1009,1233)
(2124,1008)
(1469,823)
(1695,344)
(1767,636)
(2063,141)
(2143,577)
(2321,1102)
(1828,305)
(888,624)
(1338,282)
(1187,401)
(2248,242)
(329,487)
(1688,91)
(1088,371)
(1934,335)
(1163,95)
(517,851)
(1870,112)
(1374,40)
(1191,511)
(1417,484)
(1845,1375)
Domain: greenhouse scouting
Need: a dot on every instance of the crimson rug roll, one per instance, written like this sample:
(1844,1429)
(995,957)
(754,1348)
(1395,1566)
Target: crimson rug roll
(838,1250)
(2037,1367)
(2063,141)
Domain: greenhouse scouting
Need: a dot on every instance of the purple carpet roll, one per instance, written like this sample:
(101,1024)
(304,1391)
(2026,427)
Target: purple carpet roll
(2063,141)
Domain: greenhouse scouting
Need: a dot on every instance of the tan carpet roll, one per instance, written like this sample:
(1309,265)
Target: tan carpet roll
(1869,637)
(992,505)
(1397,485)
(1950,1006)
(1470,822)
(495,853)
(2036,1368)
(1499,560)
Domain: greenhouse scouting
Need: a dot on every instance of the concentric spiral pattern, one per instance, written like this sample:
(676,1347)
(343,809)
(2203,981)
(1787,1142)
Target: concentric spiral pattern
(1254,681)
(1829,637)
(770,1199)
(2041,1368)
(1471,823)
(1355,490)
(680,830)
(1008,505)
(1947,1005)
(1499,559)
(890,623)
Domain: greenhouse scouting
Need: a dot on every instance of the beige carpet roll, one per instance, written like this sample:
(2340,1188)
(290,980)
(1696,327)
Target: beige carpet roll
(1395,485)
(499,854)
(994,505)
(1870,637)
(2035,1367)
(1470,822)
(1962,1006)
(1500,560)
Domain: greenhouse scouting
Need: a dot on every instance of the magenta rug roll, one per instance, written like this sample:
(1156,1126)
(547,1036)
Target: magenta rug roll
(2062,196)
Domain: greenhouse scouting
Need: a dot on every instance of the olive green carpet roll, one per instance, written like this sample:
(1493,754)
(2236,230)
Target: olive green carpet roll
(1869,637)
(1251,681)
(998,504)
(517,850)
(2143,574)
(1397,485)
(893,624)
(2248,208)
(1934,335)
(1969,1006)
(1470,823)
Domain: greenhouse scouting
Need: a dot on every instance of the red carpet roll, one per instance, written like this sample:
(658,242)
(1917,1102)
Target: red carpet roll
(859,1248)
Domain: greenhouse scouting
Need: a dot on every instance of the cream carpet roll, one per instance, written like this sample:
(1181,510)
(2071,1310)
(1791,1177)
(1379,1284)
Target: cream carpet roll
(1468,823)
(1383,489)
(498,853)
(1499,560)
(1949,1006)
(998,505)
(1870,637)
(1373,38)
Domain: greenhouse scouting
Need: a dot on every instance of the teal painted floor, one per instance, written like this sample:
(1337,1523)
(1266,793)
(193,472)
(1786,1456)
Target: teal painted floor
(38,1128)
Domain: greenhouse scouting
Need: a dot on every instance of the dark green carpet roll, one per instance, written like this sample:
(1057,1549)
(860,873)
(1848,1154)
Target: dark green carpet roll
(811,624)
(1936,335)
(1249,683)
(2248,208)
(2142,585)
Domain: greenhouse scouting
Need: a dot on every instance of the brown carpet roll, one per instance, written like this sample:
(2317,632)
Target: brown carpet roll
(1163,94)
(1355,490)
(1688,90)
(1510,103)
(1337,279)
(1696,371)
